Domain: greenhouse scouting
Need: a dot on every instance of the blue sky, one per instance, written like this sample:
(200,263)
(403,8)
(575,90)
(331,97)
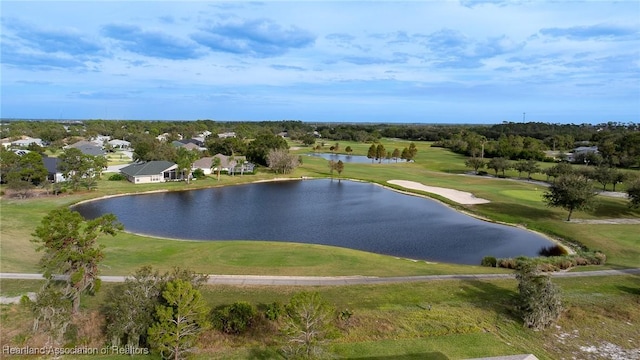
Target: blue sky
(467,61)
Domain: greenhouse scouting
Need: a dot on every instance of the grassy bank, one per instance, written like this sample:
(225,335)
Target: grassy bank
(467,319)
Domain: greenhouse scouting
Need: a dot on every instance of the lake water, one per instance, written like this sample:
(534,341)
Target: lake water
(348,214)
(358,159)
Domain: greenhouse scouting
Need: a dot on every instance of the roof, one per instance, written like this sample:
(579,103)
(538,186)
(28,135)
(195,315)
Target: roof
(87,148)
(51,163)
(203,163)
(147,168)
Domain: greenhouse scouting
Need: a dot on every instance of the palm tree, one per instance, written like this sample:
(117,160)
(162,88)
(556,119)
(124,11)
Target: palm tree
(216,164)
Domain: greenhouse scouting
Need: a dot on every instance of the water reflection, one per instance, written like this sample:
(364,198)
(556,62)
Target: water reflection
(348,214)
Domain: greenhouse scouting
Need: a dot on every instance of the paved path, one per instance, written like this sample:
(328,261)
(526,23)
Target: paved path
(343,280)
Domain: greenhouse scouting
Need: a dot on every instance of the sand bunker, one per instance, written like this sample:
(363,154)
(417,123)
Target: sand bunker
(461,197)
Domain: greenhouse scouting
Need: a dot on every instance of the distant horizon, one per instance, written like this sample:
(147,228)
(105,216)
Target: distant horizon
(2,119)
(439,61)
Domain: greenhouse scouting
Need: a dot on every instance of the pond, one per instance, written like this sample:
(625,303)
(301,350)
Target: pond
(357,159)
(348,214)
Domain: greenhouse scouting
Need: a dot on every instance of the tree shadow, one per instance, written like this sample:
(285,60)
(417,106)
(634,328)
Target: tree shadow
(629,290)
(484,294)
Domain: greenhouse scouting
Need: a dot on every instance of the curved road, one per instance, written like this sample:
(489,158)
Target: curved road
(343,280)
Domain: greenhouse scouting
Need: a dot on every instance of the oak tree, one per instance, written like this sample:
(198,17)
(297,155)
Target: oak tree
(570,192)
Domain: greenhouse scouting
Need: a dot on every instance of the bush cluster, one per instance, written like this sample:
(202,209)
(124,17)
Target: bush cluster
(235,318)
(555,263)
(117,177)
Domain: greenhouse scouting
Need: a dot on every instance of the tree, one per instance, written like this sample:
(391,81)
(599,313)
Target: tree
(31,168)
(280,161)
(8,163)
(185,160)
(559,170)
(395,154)
(216,164)
(570,192)
(51,314)
(528,166)
(605,175)
(332,166)
(79,168)
(307,325)
(539,299)
(70,249)
(371,153)
(380,153)
(498,164)
(258,150)
(475,163)
(179,321)
(405,155)
(129,308)
(235,318)
(348,150)
(412,151)
(339,166)
(633,192)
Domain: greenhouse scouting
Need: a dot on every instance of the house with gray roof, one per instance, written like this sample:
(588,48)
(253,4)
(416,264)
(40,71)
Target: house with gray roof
(54,174)
(228,164)
(151,172)
(87,148)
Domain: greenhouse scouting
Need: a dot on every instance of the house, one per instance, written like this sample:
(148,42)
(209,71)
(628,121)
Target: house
(228,164)
(26,141)
(187,145)
(87,148)
(119,144)
(581,151)
(225,135)
(53,173)
(151,172)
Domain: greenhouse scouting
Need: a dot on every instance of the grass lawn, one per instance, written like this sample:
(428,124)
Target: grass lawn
(467,319)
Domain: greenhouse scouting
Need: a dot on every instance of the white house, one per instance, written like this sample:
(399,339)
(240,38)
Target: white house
(26,141)
(151,172)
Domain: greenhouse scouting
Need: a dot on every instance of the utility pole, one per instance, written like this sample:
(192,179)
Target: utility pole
(523,116)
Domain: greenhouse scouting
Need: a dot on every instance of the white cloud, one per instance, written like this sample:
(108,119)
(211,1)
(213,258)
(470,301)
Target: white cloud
(398,56)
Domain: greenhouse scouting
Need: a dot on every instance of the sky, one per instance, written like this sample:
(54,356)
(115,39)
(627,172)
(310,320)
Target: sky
(455,61)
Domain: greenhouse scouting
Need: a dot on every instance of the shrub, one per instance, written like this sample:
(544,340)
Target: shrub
(539,301)
(273,311)
(235,318)
(345,316)
(555,250)
(198,173)
(508,263)
(117,177)
(489,261)
(601,258)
